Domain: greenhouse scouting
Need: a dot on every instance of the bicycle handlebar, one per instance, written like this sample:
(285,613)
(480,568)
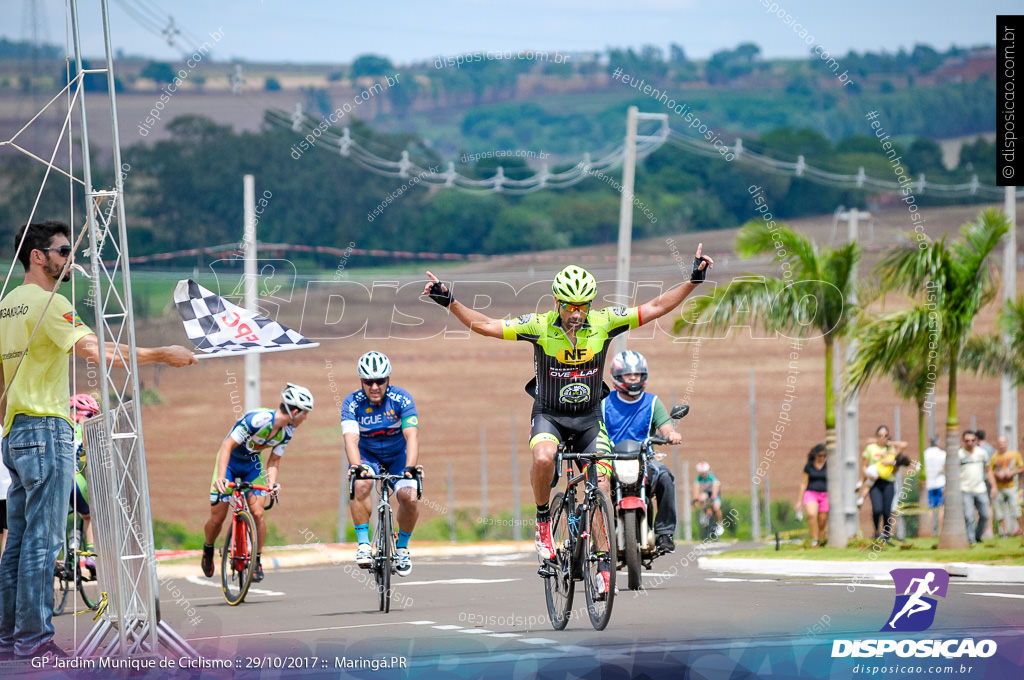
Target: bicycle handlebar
(387,477)
(246,486)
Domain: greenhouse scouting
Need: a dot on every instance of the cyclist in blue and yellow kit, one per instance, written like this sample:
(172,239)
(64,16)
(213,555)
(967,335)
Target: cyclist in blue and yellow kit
(239,457)
(570,345)
(380,428)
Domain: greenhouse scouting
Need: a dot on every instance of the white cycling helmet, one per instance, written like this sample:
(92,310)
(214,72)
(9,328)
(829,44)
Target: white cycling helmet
(703,467)
(296,396)
(374,365)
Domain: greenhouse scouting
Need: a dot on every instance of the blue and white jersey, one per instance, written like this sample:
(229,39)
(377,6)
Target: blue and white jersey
(379,427)
(252,434)
(628,419)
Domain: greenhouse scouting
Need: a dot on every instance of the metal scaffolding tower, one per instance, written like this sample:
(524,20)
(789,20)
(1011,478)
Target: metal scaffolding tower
(129,621)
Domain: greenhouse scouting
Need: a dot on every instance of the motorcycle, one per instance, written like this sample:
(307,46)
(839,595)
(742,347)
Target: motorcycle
(634,514)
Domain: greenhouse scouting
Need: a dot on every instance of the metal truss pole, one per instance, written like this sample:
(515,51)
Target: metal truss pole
(129,621)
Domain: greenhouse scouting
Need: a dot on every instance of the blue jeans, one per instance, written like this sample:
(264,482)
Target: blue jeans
(976,525)
(40,454)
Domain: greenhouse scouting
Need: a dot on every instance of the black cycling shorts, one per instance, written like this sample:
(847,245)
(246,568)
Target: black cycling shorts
(581,433)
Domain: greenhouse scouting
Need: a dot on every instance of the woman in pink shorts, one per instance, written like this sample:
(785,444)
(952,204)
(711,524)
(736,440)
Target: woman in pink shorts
(814,494)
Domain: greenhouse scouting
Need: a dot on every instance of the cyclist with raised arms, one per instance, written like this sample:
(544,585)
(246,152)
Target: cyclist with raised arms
(239,457)
(83,407)
(381,428)
(570,345)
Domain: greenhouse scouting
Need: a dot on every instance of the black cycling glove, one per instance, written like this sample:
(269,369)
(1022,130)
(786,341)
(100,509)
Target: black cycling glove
(698,275)
(412,471)
(441,296)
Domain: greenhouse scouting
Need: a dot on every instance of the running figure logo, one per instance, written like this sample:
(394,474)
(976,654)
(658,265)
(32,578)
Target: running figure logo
(914,611)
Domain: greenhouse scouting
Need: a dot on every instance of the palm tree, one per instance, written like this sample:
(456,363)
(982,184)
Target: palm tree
(813,297)
(956,281)
(913,375)
(989,356)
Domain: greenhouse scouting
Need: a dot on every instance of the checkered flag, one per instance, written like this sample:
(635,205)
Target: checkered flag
(220,328)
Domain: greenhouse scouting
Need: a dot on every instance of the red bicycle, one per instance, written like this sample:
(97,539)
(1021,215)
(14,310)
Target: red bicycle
(238,557)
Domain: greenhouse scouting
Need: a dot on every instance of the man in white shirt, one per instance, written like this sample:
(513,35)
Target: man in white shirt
(974,471)
(935,481)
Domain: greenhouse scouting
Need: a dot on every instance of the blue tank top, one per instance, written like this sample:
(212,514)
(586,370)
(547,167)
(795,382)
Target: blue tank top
(628,420)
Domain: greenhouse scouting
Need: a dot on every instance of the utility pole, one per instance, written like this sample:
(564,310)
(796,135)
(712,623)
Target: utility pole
(252,360)
(1007,389)
(851,417)
(626,211)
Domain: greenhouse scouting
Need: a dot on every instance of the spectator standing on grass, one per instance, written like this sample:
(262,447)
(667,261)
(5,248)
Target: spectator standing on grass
(1006,466)
(813,498)
(879,464)
(989,452)
(38,329)
(935,482)
(973,473)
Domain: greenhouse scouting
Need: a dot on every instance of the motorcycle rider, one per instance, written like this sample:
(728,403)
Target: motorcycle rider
(631,413)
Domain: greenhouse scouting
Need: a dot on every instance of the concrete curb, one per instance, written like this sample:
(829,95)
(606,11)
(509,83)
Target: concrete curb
(866,568)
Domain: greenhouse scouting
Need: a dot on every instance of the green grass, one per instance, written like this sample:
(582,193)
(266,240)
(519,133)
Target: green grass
(999,551)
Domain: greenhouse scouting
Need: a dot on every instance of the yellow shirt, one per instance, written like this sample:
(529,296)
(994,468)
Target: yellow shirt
(883,458)
(1006,461)
(41,386)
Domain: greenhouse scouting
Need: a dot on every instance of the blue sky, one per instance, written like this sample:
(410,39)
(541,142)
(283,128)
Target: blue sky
(404,30)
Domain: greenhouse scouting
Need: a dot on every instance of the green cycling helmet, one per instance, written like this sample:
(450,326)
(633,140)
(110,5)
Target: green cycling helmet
(574,285)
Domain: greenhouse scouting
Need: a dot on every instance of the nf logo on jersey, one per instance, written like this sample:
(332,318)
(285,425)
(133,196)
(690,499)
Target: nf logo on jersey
(576,393)
(577,355)
(914,610)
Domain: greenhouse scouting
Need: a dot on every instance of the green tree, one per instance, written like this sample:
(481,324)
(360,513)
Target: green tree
(371,65)
(817,303)
(955,281)
(913,375)
(925,155)
(159,71)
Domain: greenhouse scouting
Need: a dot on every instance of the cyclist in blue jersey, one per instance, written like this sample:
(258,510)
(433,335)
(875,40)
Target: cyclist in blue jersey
(570,345)
(631,413)
(239,457)
(380,428)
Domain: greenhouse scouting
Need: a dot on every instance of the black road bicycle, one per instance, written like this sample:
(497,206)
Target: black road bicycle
(584,542)
(384,553)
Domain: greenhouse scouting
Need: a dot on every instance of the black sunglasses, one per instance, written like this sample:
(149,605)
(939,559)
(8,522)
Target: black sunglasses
(63,251)
(374,381)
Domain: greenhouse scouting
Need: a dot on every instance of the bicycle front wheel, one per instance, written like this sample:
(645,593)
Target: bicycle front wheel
(599,559)
(384,559)
(558,585)
(238,559)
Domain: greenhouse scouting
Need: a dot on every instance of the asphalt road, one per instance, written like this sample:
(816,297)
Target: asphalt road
(477,617)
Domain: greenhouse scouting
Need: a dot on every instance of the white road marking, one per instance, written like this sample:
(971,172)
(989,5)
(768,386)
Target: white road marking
(459,581)
(1006,595)
(420,623)
(538,641)
(200,581)
(448,627)
(476,631)
(860,585)
(505,635)
(292,632)
(724,579)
